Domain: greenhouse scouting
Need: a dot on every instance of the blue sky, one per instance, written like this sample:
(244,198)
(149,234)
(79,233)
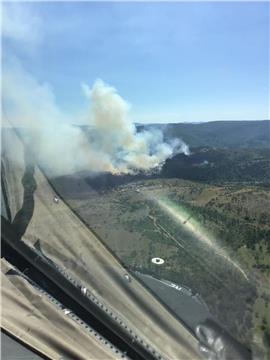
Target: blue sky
(173,62)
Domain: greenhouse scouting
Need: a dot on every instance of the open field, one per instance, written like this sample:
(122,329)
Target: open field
(214,239)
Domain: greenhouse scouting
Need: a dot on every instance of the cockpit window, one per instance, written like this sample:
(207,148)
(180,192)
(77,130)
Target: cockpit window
(168,198)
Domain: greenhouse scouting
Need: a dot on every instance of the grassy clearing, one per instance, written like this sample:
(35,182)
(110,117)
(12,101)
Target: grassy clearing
(235,215)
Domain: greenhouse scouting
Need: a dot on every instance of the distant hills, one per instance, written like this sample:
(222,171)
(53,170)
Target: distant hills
(221,151)
(205,164)
(220,165)
(220,134)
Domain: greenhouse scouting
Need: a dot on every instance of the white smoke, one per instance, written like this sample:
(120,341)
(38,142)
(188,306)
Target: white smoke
(112,144)
(117,137)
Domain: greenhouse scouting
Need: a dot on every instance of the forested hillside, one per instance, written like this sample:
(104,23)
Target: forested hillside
(219,133)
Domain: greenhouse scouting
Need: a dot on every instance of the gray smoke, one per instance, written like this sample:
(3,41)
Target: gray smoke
(113,145)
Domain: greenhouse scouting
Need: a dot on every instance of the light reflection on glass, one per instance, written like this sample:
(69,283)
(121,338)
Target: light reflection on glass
(185,219)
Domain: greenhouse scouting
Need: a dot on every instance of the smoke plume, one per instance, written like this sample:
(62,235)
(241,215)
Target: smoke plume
(111,144)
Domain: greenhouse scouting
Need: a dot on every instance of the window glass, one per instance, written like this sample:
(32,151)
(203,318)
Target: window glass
(175,186)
